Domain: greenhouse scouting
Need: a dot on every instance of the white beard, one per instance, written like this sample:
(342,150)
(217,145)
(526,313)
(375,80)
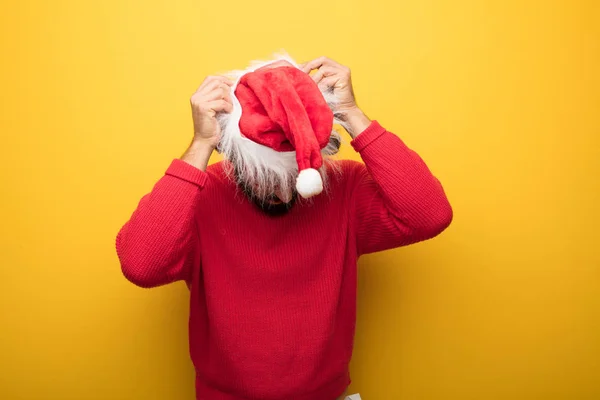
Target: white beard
(259,167)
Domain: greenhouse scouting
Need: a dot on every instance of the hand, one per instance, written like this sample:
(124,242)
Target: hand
(332,75)
(213,96)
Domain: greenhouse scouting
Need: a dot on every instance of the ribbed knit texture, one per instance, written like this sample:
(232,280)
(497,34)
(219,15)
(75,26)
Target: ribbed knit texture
(273,299)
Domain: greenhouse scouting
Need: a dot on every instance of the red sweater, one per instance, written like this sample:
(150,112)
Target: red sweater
(273,299)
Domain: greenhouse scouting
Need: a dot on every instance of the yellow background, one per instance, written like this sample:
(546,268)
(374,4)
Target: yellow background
(501,98)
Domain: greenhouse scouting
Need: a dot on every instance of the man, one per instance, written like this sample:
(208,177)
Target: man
(273,274)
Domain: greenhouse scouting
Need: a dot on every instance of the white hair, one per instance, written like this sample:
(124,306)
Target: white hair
(257,166)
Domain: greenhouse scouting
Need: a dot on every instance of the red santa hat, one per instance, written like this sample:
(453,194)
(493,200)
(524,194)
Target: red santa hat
(280,129)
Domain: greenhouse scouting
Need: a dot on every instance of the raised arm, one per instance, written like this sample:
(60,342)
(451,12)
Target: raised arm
(396,199)
(159,244)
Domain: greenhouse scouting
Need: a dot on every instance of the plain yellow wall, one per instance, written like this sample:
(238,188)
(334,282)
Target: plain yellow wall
(501,98)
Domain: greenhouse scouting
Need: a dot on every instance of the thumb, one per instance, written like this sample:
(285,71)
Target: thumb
(303,67)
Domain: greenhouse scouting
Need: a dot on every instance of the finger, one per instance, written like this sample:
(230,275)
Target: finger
(214,81)
(212,85)
(318,76)
(227,96)
(319,63)
(219,78)
(328,82)
(220,91)
(323,72)
(211,81)
(220,106)
(314,64)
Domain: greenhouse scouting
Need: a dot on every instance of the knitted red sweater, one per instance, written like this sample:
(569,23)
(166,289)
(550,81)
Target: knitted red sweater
(272,303)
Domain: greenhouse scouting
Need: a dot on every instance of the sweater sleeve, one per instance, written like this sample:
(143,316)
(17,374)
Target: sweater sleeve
(159,244)
(396,201)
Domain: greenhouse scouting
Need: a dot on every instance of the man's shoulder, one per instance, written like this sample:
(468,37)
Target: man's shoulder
(345,164)
(218,176)
(216,169)
(344,173)
(345,168)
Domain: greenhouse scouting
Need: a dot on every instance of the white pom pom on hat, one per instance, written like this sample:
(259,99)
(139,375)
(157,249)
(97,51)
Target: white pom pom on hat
(309,183)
